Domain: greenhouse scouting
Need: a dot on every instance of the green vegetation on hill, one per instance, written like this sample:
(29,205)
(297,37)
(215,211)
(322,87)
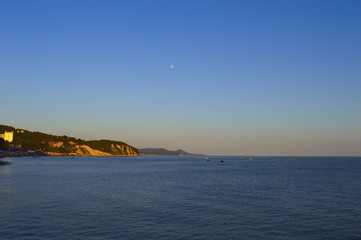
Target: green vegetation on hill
(4,128)
(64,144)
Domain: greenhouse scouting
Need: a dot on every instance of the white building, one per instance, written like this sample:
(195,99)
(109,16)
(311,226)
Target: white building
(8,136)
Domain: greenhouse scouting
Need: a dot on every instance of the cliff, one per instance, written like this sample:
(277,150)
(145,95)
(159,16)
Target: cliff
(106,148)
(64,145)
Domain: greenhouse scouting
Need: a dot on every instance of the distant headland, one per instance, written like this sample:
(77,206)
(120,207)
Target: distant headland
(163,151)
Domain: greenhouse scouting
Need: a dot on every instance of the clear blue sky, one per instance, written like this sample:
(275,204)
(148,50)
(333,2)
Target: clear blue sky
(250,77)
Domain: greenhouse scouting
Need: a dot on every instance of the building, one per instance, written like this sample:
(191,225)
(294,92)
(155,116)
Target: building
(14,147)
(8,136)
(50,142)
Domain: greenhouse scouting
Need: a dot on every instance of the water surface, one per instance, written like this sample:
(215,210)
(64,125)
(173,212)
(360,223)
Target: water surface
(181,198)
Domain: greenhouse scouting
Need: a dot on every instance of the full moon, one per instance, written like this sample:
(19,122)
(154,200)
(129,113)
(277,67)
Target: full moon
(171,66)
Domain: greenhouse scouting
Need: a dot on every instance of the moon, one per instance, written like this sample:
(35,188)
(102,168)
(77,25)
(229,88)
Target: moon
(171,66)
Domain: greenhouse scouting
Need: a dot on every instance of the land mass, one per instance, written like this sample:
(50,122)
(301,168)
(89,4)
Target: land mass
(163,151)
(42,143)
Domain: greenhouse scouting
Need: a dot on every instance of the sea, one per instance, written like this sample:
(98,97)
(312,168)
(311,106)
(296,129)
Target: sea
(181,197)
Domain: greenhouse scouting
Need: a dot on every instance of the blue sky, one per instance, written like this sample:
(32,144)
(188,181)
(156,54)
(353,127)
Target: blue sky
(249,77)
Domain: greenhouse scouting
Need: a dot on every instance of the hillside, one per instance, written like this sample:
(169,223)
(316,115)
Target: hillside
(64,145)
(163,151)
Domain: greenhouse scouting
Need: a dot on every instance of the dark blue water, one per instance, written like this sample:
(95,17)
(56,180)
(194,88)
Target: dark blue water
(181,198)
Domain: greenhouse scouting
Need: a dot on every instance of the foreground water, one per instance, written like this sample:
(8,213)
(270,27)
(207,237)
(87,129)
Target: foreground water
(180,198)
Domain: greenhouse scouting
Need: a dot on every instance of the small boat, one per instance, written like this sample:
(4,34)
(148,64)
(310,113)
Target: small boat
(222,161)
(4,162)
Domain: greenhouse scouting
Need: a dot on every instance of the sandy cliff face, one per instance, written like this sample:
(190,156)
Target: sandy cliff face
(118,150)
(85,150)
(127,150)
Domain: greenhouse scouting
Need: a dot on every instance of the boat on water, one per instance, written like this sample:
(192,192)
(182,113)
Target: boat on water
(3,163)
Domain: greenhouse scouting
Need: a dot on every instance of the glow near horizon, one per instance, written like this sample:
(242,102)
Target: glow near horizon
(251,78)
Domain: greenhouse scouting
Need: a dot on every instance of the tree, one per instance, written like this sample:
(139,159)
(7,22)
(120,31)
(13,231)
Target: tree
(2,141)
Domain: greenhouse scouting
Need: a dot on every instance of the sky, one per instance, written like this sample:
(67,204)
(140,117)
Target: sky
(214,77)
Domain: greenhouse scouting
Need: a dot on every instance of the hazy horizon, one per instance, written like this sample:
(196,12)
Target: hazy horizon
(236,78)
